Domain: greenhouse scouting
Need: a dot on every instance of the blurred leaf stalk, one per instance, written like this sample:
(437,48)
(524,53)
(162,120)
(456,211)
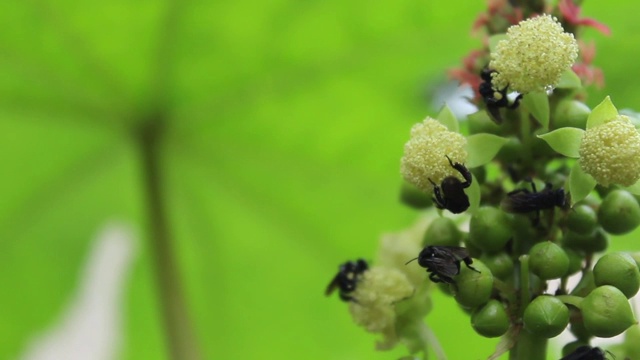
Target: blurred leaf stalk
(551,181)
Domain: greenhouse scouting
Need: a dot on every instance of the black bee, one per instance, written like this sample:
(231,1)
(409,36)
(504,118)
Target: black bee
(523,201)
(495,99)
(348,276)
(586,352)
(443,262)
(450,194)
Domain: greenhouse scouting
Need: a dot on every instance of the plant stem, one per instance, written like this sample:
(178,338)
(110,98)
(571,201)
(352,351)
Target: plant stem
(529,347)
(525,291)
(179,332)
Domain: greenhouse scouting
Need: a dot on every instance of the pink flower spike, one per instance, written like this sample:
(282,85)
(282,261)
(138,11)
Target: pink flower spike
(571,12)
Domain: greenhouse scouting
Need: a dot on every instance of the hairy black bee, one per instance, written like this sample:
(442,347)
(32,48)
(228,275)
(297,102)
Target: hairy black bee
(495,99)
(348,276)
(443,262)
(523,201)
(450,194)
(586,352)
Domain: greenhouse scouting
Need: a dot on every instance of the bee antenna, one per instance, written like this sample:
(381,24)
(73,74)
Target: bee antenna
(407,263)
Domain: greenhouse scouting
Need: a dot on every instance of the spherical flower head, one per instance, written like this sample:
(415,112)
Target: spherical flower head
(533,56)
(611,152)
(425,154)
(376,295)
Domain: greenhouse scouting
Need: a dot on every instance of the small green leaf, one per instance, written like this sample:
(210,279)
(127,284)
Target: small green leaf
(569,80)
(480,122)
(602,113)
(494,40)
(565,141)
(634,189)
(538,104)
(473,192)
(580,183)
(482,148)
(448,119)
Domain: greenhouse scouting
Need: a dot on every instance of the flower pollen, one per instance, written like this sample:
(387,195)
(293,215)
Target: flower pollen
(533,56)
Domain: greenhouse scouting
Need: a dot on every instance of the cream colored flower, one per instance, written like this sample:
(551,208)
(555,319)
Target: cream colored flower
(425,154)
(533,56)
(376,296)
(611,152)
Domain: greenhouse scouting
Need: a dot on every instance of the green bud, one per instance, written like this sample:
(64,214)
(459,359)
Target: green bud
(548,261)
(414,197)
(595,242)
(546,316)
(619,212)
(575,261)
(471,288)
(570,113)
(442,232)
(490,320)
(489,229)
(500,264)
(582,219)
(606,312)
(619,270)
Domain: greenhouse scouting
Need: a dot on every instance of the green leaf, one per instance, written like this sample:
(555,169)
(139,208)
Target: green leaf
(602,113)
(565,141)
(448,119)
(634,189)
(474,193)
(569,80)
(538,104)
(482,148)
(580,183)
(494,40)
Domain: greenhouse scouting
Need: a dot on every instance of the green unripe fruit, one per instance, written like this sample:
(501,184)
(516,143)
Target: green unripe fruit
(489,229)
(606,312)
(636,257)
(582,220)
(442,232)
(619,270)
(546,316)
(575,261)
(548,261)
(413,197)
(591,243)
(471,288)
(500,264)
(570,113)
(490,320)
(619,212)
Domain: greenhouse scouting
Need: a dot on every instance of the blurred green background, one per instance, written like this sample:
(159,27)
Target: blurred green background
(285,122)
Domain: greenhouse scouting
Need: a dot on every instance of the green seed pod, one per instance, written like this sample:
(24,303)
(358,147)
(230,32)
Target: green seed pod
(442,232)
(490,320)
(619,270)
(500,264)
(548,261)
(606,312)
(572,346)
(595,242)
(471,288)
(570,113)
(619,212)
(582,219)
(413,197)
(489,229)
(546,316)
(575,261)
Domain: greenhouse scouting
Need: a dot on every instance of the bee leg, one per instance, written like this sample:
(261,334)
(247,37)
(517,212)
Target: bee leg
(347,298)
(516,102)
(438,200)
(466,174)
(468,262)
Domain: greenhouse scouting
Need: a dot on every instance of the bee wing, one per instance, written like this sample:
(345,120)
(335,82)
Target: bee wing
(455,253)
(448,267)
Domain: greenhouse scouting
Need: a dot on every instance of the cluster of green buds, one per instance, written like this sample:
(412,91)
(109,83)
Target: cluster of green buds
(541,180)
